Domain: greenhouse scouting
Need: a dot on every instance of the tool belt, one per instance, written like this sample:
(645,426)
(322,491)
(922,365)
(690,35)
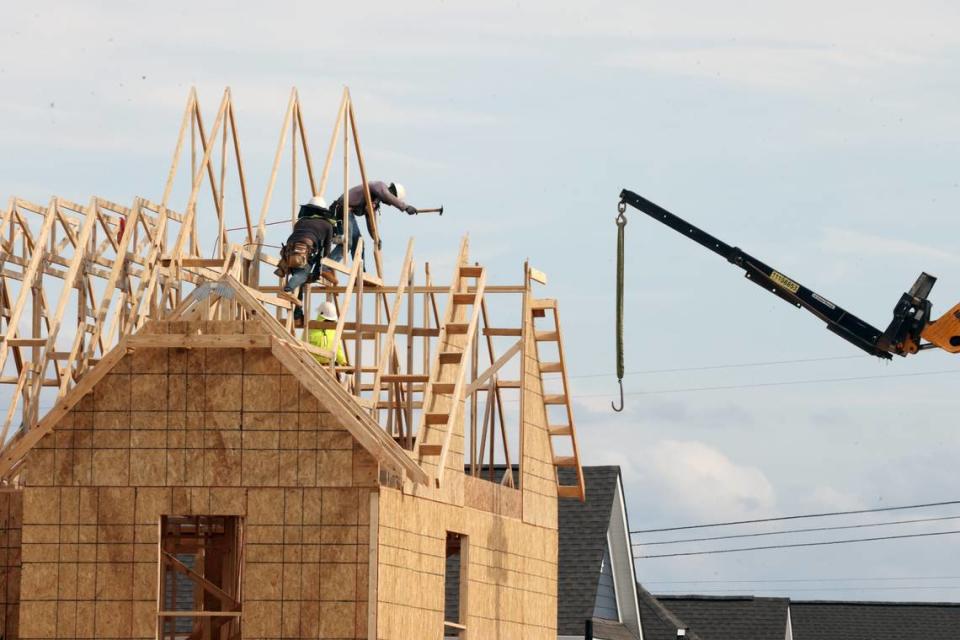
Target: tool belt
(356,209)
(296,255)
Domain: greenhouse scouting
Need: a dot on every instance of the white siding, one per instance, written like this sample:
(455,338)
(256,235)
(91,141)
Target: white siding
(605,606)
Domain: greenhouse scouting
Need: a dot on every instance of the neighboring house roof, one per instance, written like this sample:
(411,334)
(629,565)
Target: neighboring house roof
(609,630)
(825,620)
(659,623)
(728,617)
(583,540)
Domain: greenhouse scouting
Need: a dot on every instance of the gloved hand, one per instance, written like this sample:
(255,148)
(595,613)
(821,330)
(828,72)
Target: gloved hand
(411,210)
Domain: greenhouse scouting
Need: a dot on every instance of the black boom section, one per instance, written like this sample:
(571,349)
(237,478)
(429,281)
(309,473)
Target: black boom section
(838,319)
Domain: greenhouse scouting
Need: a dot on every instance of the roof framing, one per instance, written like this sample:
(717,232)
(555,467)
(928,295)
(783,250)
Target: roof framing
(77,282)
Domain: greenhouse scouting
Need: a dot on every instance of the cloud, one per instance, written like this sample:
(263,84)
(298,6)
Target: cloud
(695,481)
(847,241)
(825,497)
(786,67)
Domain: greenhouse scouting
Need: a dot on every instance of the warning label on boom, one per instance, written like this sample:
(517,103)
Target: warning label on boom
(785,282)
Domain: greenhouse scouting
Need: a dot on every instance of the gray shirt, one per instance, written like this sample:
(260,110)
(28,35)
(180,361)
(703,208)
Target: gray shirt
(379,192)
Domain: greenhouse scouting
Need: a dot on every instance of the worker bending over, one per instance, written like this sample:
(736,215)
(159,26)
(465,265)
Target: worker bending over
(393,194)
(310,241)
(323,338)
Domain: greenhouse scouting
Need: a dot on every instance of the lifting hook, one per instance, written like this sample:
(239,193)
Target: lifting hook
(612,405)
(621,224)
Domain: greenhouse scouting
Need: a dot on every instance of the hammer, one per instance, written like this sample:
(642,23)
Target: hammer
(439,210)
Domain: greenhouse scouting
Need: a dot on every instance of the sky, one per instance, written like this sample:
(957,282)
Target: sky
(822,137)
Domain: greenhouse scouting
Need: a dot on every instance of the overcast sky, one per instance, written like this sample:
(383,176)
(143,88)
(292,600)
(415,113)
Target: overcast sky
(820,136)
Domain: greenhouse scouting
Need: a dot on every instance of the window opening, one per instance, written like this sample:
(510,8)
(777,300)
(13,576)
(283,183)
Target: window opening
(455,586)
(201,558)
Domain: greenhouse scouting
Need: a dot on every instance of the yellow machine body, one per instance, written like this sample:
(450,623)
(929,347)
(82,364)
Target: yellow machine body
(945,332)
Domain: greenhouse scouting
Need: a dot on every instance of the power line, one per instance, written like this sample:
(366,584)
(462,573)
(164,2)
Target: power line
(798,544)
(757,385)
(266,224)
(790,531)
(800,517)
(723,366)
(791,590)
(782,580)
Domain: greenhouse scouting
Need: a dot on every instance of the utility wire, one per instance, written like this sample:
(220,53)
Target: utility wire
(781,580)
(757,385)
(798,544)
(741,365)
(791,531)
(799,517)
(266,224)
(792,590)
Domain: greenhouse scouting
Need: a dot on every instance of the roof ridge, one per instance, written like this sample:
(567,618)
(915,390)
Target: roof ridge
(875,603)
(697,596)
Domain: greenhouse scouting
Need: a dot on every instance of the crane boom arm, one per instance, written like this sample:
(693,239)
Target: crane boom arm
(838,320)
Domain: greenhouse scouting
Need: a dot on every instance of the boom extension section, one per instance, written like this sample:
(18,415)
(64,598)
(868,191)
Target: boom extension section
(911,316)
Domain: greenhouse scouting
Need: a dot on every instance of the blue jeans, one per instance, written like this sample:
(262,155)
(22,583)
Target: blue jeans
(297,278)
(337,252)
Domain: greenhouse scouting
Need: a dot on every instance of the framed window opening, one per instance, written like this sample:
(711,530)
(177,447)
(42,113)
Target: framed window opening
(455,580)
(201,563)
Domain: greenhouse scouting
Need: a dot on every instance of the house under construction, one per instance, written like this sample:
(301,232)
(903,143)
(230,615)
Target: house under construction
(180,462)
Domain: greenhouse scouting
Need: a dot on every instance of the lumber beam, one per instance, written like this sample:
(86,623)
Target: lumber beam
(200,341)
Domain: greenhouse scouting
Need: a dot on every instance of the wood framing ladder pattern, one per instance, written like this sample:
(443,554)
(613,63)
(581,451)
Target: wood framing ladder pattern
(541,308)
(116,268)
(446,388)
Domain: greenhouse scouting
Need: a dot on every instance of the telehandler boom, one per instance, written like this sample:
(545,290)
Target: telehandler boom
(912,328)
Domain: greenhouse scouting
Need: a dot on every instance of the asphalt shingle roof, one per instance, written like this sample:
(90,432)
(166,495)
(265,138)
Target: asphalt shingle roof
(583,538)
(608,630)
(726,617)
(823,620)
(658,622)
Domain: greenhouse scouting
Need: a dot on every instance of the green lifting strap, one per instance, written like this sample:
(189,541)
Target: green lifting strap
(621,224)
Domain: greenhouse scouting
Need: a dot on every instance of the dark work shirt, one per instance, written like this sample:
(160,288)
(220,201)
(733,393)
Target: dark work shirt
(316,230)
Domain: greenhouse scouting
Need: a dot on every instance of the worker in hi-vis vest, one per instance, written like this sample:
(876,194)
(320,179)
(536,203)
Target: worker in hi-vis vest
(323,338)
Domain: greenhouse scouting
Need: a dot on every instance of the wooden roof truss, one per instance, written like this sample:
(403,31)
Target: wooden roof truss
(77,280)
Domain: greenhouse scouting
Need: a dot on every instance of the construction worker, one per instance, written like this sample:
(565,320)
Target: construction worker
(323,338)
(308,243)
(393,194)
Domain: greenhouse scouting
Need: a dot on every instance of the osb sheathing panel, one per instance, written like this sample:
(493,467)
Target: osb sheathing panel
(11,520)
(202,431)
(199,417)
(90,559)
(512,571)
(492,496)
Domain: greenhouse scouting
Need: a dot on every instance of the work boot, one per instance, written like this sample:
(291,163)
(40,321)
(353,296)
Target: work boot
(330,276)
(298,314)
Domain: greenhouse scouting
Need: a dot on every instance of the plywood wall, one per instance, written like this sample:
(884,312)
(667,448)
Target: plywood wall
(11,519)
(511,562)
(512,571)
(229,432)
(203,431)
